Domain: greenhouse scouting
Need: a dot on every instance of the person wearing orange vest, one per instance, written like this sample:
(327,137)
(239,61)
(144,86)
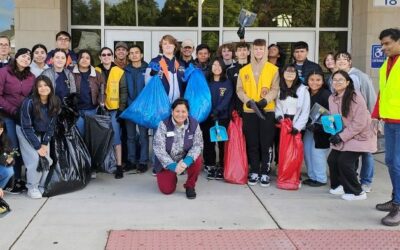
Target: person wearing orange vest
(387,108)
(63,41)
(171,73)
(257,87)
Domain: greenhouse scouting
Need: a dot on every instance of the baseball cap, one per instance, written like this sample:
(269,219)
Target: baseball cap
(187,43)
(121,44)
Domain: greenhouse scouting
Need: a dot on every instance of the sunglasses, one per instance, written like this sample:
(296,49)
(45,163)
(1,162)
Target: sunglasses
(108,54)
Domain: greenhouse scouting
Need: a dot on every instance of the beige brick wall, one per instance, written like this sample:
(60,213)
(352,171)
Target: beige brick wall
(368,21)
(38,21)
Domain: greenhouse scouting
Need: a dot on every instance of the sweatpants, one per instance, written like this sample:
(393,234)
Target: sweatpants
(342,171)
(209,152)
(167,179)
(259,135)
(34,179)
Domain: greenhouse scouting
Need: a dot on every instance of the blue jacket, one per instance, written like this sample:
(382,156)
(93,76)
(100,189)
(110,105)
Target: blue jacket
(221,96)
(135,80)
(32,125)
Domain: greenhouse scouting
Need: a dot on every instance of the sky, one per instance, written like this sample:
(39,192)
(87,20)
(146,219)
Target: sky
(6,13)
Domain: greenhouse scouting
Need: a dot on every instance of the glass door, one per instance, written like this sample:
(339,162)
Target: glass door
(141,38)
(179,35)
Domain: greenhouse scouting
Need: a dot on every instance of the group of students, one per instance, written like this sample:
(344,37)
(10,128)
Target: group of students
(255,82)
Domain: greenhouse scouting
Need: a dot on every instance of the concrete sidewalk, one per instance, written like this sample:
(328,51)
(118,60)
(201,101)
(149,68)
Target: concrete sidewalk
(82,220)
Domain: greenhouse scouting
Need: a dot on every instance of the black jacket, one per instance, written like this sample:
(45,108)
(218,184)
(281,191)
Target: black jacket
(321,138)
(308,68)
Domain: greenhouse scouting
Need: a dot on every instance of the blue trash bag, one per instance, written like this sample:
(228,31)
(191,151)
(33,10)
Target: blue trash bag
(150,107)
(197,93)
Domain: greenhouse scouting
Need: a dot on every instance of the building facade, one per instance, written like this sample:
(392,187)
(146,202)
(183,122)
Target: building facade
(326,25)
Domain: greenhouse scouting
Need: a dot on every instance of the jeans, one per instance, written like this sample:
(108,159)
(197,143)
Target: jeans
(116,128)
(392,157)
(131,142)
(80,123)
(12,135)
(5,174)
(315,158)
(367,168)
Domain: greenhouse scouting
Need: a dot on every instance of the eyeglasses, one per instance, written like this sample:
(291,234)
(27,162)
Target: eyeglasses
(339,81)
(290,71)
(63,39)
(108,54)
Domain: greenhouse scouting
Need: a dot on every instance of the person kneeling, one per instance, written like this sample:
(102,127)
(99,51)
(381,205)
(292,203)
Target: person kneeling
(177,145)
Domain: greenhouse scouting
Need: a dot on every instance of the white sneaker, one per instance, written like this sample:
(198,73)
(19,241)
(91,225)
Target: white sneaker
(253,179)
(353,197)
(34,193)
(337,191)
(93,175)
(366,188)
(264,181)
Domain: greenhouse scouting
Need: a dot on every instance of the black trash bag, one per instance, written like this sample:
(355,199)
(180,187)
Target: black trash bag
(71,164)
(69,114)
(4,207)
(98,137)
(43,165)
(109,165)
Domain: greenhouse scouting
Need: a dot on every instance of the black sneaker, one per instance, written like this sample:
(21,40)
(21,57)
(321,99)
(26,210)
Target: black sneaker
(264,180)
(142,168)
(219,174)
(385,207)
(253,179)
(190,193)
(16,187)
(119,173)
(130,166)
(211,174)
(308,182)
(316,184)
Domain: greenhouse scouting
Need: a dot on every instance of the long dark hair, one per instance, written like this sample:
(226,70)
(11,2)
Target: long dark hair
(285,91)
(21,75)
(223,72)
(53,101)
(349,93)
(321,74)
(81,52)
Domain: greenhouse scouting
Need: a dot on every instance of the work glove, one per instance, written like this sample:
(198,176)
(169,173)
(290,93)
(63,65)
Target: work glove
(252,105)
(262,104)
(279,119)
(294,131)
(4,207)
(214,115)
(241,31)
(310,127)
(335,139)
(43,164)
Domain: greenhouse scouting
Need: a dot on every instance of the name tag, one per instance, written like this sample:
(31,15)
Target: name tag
(170,134)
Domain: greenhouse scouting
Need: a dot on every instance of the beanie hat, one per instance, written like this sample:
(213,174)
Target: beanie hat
(22,51)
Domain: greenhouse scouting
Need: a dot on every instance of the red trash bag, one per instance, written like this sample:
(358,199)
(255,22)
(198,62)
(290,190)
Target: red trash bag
(236,167)
(290,157)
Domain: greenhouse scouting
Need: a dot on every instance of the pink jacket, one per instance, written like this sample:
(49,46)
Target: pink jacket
(359,133)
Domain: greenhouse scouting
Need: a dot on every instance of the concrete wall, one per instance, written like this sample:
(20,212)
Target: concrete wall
(368,21)
(38,21)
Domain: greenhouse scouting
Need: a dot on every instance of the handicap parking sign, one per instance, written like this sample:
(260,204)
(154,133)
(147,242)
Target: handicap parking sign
(377,56)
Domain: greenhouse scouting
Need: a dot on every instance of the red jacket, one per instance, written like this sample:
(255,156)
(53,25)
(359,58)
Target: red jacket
(13,91)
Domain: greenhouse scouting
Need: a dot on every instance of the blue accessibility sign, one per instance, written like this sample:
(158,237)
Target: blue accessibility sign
(377,56)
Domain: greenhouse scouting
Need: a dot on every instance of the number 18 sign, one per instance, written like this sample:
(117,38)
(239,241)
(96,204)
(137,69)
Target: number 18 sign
(387,3)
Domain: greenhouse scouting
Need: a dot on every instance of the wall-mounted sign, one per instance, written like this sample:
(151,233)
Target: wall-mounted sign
(377,56)
(387,3)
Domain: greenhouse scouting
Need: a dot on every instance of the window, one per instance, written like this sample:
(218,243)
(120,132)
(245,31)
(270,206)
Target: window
(210,13)
(120,12)
(211,38)
(85,12)
(334,13)
(331,41)
(273,13)
(87,39)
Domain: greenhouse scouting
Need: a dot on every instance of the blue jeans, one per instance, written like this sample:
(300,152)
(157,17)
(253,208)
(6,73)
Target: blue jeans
(80,123)
(315,159)
(367,168)
(12,136)
(131,142)
(116,128)
(5,174)
(392,157)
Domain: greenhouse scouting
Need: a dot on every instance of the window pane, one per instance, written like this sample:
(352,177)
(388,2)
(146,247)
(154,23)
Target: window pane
(210,13)
(120,12)
(87,39)
(334,13)
(85,12)
(7,8)
(273,13)
(211,38)
(168,13)
(330,41)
